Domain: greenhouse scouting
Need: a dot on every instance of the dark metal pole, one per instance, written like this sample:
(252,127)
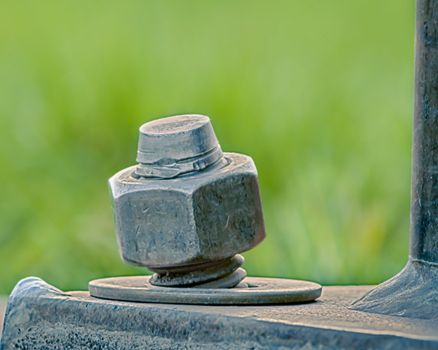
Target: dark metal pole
(414,291)
(424,209)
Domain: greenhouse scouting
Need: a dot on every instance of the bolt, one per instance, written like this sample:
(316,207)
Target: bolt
(187,209)
(173,146)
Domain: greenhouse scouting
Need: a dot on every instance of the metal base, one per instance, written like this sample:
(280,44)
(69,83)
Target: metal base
(41,317)
(411,293)
(252,291)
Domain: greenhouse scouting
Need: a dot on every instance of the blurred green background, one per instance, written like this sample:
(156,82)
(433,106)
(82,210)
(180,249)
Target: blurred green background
(319,93)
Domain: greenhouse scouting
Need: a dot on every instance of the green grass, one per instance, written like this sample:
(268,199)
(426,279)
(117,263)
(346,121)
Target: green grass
(319,93)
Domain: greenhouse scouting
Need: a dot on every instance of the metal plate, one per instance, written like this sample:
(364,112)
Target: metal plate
(252,291)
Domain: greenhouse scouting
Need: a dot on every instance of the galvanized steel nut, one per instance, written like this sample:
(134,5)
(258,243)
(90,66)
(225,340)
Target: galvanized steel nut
(187,206)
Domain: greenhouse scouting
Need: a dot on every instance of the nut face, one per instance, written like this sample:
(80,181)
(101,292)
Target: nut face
(228,215)
(155,225)
(212,215)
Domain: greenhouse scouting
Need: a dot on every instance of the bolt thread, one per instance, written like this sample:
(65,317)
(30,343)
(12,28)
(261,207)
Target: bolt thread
(225,273)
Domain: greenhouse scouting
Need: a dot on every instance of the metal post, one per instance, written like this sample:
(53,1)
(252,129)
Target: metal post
(414,291)
(424,209)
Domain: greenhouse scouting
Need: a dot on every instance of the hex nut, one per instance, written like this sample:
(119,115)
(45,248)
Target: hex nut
(188,220)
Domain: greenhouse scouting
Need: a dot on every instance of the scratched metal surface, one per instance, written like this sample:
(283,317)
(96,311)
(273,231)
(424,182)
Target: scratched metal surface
(47,316)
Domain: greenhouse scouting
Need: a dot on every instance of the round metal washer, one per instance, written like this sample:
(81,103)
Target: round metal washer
(252,291)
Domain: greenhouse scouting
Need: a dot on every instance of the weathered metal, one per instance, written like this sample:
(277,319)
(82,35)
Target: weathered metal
(424,210)
(40,316)
(185,212)
(414,291)
(187,208)
(254,291)
(212,273)
(173,146)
